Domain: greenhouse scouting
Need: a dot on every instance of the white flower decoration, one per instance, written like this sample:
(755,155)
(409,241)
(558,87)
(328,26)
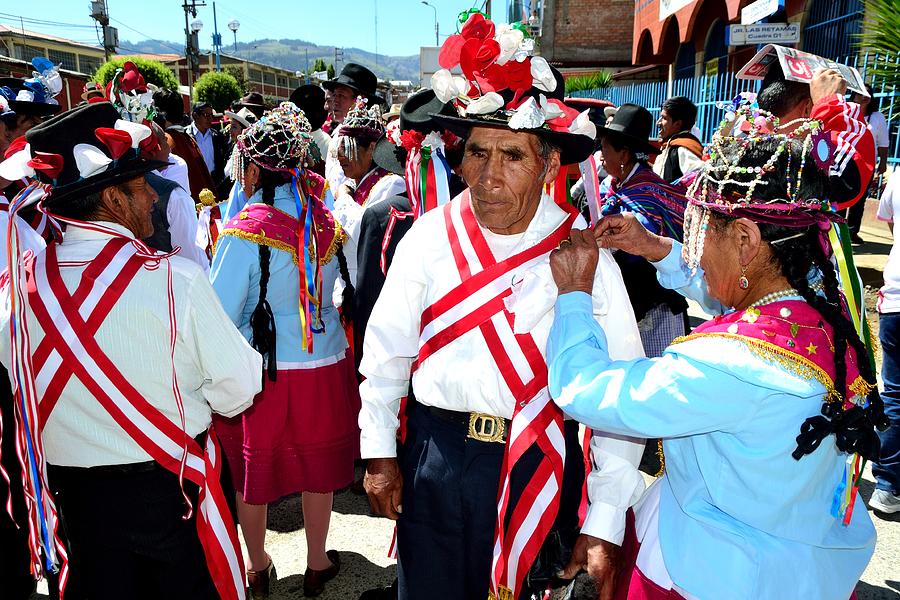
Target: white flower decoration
(90,160)
(527,116)
(137,131)
(510,40)
(582,125)
(551,111)
(15,166)
(447,86)
(490,102)
(543,76)
(434,141)
(526,49)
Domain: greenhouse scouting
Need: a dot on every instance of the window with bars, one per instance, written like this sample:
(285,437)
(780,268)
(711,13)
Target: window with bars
(65,60)
(25,52)
(255,74)
(282,81)
(88,64)
(269,78)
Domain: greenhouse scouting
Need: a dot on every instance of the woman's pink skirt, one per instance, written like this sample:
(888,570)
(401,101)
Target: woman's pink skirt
(300,435)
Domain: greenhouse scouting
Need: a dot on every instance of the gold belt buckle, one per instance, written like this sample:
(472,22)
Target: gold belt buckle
(486,428)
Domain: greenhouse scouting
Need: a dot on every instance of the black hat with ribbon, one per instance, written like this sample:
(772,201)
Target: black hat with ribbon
(416,115)
(503,85)
(83,151)
(631,126)
(311,100)
(358,78)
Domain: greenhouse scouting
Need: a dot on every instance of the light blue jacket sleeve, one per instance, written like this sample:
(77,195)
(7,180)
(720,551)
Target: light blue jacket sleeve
(230,274)
(237,200)
(674,274)
(664,397)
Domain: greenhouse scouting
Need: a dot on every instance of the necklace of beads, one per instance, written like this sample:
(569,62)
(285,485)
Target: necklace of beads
(775,296)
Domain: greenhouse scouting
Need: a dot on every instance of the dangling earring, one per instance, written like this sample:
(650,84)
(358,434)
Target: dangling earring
(743,282)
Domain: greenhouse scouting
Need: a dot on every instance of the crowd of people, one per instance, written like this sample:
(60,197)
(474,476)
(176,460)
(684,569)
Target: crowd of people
(201,318)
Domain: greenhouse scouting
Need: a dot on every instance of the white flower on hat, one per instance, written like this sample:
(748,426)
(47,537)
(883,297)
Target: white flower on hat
(526,49)
(582,125)
(490,102)
(543,76)
(90,160)
(447,86)
(551,111)
(16,167)
(510,39)
(434,141)
(137,131)
(527,116)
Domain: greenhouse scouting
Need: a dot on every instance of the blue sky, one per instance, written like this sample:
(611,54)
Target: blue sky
(403,25)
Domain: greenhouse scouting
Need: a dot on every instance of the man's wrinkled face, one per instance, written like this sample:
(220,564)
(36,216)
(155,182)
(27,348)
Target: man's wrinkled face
(339,101)
(505,173)
(135,199)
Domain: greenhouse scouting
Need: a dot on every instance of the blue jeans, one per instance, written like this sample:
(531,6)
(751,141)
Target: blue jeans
(887,469)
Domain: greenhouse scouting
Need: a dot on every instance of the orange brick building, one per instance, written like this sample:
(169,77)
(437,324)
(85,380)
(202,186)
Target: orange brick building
(586,33)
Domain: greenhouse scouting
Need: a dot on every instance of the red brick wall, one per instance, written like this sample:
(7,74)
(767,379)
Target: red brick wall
(588,32)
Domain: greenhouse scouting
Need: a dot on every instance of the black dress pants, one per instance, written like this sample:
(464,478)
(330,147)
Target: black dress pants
(446,532)
(126,536)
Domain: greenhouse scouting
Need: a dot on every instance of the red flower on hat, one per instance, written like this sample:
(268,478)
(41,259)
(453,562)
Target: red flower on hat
(48,163)
(149,144)
(411,139)
(116,140)
(132,80)
(562,122)
(476,28)
(16,145)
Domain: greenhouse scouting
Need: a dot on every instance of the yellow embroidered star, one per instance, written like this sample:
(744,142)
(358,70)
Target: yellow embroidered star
(811,349)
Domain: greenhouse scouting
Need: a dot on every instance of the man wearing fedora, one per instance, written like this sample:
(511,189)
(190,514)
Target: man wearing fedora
(465,313)
(341,92)
(124,353)
(253,102)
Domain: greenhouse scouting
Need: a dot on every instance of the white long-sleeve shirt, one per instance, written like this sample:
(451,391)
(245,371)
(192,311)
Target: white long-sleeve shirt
(182,216)
(463,375)
(217,369)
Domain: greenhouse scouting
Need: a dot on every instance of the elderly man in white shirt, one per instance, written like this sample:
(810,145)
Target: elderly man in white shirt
(465,313)
(124,354)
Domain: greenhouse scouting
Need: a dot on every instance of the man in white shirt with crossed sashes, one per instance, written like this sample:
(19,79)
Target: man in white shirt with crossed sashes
(465,313)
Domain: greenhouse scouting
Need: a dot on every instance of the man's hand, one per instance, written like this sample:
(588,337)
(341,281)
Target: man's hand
(826,82)
(384,485)
(626,233)
(348,188)
(601,560)
(573,264)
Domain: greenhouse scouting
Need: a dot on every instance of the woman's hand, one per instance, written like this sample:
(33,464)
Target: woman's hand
(574,262)
(626,233)
(348,188)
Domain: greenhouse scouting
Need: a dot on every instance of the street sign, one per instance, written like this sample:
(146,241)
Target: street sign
(762,33)
(756,11)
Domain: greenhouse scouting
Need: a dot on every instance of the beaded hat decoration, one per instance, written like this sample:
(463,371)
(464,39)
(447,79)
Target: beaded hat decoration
(745,128)
(279,141)
(362,125)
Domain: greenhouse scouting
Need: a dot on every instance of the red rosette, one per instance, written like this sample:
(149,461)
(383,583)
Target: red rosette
(493,79)
(476,56)
(51,165)
(411,139)
(117,141)
(562,122)
(448,57)
(16,145)
(478,28)
(132,80)
(149,144)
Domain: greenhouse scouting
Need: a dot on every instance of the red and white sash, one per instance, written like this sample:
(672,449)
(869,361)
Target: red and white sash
(69,349)
(478,303)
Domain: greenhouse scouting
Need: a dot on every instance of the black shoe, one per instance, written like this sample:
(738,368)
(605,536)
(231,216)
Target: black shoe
(856,240)
(385,593)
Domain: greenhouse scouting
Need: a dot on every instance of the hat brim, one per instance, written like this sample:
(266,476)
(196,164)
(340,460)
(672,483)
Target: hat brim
(573,147)
(118,174)
(41,109)
(632,142)
(333,83)
(390,157)
(237,118)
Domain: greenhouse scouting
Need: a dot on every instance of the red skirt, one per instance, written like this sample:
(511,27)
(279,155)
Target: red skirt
(300,434)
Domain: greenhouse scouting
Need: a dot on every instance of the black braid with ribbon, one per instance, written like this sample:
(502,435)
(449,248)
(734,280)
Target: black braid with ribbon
(262,321)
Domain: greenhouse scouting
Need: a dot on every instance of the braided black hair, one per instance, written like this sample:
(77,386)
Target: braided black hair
(796,257)
(348,296)
(262,320)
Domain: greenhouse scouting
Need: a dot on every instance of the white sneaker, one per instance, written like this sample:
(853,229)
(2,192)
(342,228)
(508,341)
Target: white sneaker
(885,502)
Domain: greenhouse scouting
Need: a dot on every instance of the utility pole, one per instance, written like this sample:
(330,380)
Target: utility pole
(217,40)
(100,13)
(338,56)
(192,43)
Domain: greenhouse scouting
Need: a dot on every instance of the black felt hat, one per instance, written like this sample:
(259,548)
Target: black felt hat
(311,100)
(416,114)
(26,107)
(358,78)
(82,143)
(631,126)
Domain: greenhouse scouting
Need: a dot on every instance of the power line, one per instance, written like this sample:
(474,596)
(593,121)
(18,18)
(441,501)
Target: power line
(44,22)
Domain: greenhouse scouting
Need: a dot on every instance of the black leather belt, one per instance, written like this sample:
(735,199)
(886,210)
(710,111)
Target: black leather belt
(477,426)
(123,469)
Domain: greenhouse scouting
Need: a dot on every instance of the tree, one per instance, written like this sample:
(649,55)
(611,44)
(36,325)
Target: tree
(238,74)
(599,80)
(318,65)
(153,71)
(219,89)
(330,71)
